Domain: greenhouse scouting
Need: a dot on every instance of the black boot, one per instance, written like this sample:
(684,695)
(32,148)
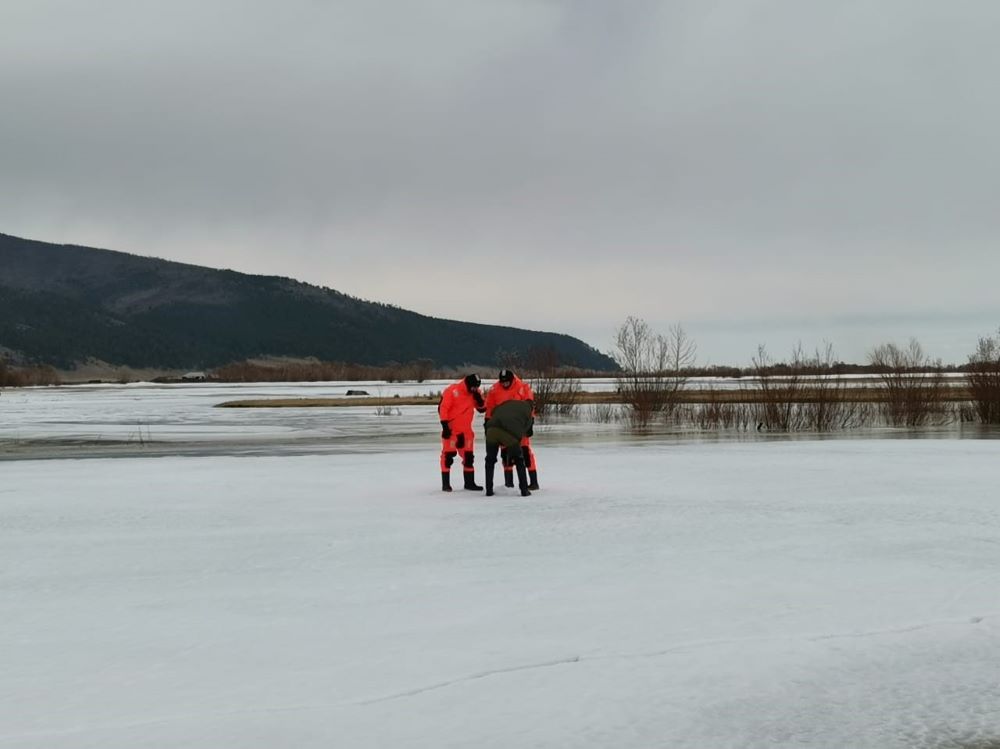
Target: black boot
(446,482)
(522,478)
(490,467)
(507,463)
(533,475)
(470,482)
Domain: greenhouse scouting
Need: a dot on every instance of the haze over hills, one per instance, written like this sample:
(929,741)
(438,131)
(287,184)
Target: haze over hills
(64,304)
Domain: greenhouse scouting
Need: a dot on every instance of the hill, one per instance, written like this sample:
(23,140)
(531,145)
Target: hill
(64,304)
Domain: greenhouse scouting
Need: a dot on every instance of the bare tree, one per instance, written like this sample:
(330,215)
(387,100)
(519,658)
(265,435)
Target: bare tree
(717,412)
(914,391)
(827,406)
(779,388)
(681,355)
(506,359)
(983,379)
(652,368)
(42,374)
(555,391)
(802,393)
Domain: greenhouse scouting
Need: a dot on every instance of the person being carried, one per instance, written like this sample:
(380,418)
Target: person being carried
(508,425)
(511,387)
(459,402)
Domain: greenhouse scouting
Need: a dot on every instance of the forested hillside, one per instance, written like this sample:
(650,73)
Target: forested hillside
(63,304)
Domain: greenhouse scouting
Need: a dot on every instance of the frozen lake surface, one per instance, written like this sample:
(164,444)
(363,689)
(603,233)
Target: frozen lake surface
(152,419)
(270,578)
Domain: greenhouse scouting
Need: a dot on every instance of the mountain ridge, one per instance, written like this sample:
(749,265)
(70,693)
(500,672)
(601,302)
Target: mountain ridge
(65,304)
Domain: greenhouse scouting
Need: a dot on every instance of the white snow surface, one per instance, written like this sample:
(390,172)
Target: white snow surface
(654,593)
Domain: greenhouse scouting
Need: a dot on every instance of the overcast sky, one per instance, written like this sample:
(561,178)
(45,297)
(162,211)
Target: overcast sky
(761,171)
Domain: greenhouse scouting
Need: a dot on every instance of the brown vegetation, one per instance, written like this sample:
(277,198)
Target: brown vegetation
(701,397)
(556,389)
(983,378)
(25,376)
(804,393)
(914,393)
(298,371)
(797,401)
(653,369)
(556,386)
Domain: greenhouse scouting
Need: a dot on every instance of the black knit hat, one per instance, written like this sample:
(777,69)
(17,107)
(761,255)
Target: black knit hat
(506,376)
(472,381)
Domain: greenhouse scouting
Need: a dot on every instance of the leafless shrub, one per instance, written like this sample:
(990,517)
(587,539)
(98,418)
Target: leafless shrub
(826,406)
(652,368)
(508,359)
(320,372)
(854,414)
(983,379)
(555,390)
(603,413)
(139,437)
(25,376)
(913,391)
(803,394)
(394,372)
(421,369)
(417,370)
(720,413)
(776,405)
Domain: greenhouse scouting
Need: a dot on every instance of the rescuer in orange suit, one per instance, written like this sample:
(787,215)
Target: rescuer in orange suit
(511,387)
(459,402)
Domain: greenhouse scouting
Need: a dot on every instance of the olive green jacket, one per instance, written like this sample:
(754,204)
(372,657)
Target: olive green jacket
(510,422)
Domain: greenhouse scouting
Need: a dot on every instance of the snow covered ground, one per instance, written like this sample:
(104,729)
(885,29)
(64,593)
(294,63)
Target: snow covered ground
(654,593)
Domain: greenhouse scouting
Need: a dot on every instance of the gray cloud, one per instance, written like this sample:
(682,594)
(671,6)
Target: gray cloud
(714,163)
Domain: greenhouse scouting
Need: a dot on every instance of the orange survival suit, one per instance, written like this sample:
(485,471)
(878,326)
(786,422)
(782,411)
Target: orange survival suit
(459,402)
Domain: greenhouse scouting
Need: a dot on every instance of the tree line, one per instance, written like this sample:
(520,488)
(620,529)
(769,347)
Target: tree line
(807,391)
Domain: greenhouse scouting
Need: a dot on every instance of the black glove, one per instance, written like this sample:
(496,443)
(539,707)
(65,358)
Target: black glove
(460,441)
(478,397)
(531,430)
(445,430)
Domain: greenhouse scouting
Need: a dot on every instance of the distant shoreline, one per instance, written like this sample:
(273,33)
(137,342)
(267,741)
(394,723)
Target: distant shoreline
(867,393)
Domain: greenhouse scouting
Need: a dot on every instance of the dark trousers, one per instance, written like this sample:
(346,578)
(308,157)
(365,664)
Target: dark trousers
(514,454)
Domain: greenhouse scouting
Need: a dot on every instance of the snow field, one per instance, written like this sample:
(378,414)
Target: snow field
(763,594)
